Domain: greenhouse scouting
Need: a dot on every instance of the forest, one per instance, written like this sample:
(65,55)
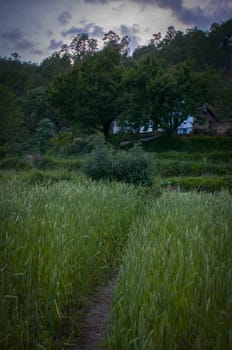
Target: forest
(80,89)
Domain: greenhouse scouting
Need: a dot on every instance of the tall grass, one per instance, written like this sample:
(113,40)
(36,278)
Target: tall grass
(57,241)
(175,283)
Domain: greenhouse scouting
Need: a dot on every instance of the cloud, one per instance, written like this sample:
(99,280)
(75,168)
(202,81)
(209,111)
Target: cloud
(90,28)
(54,45)
(13,35)
(16,39)
(64,18)
(37,52)
(131,32)
(194,13)
(49,33)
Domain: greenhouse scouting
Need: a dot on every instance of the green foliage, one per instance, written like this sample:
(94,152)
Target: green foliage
(99,165)
(58,241)
(88,94)
(52,163)
(203,183)
(44,133)
(14,163)
(132,166)
(43,178)
(10,117)
(193,144)
(174,287)
(167,168)
(68,143)
(4,150)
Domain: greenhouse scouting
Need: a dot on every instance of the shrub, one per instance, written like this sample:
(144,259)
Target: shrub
(14,163)
(99,164)
(3,150)
(131,166)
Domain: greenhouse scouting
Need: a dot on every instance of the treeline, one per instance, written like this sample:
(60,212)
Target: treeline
(81,89)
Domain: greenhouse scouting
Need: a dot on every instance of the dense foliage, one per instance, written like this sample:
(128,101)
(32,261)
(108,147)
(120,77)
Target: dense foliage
(133,166)
(83,89)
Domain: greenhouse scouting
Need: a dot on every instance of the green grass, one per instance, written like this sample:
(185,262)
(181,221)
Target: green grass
(211,157)
(57,242)
(202,183)
(174,289)
(167,168)
(190,144)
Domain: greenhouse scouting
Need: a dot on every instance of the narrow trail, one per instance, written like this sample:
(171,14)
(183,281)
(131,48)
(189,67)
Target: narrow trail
(95,325)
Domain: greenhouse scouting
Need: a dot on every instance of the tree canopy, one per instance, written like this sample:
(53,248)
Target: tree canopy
(87,84)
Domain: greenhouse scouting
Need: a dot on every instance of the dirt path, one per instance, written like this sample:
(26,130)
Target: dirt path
(95,324)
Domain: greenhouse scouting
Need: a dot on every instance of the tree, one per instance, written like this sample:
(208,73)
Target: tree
(80,46)
(10,117)
(173,97)
(154,93)
(136,96)
(44,133)
(52,66)
(88,94)
(114,41)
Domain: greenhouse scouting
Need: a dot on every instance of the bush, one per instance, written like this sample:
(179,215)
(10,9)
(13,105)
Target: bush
(14,163)
(99,164)
(4,150)
(132,166)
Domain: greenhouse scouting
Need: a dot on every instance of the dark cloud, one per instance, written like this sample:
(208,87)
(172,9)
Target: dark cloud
(24,44)
(16,39)
(90,28)
(97,32)
(64,17)
(97,1)
(191,16)
(37,52)
(54,45)
(13,35)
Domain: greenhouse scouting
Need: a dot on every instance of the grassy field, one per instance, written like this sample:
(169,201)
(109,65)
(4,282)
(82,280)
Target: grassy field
(58,241)
(174,289)
(62,234)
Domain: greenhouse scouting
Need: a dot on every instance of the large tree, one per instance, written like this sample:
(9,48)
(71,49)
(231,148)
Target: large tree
(10,117)
(88,95)
(154,93)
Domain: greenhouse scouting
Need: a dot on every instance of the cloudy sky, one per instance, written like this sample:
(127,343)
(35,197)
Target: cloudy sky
(37,28)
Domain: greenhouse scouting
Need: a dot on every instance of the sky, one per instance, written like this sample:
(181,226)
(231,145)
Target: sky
(37,28)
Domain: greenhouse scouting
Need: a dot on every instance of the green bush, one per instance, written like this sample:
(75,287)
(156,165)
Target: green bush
(4,150)
(14,163)
(99,164)
(131,166)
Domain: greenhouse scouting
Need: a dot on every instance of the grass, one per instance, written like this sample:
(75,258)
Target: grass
(202,183)
(174,289)
(57,242)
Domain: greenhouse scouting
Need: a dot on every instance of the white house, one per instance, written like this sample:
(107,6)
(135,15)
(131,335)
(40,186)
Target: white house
(186,127)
